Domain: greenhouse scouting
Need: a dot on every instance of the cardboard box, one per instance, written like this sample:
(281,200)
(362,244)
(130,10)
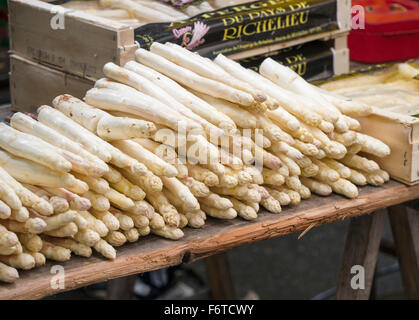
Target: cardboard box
(33,84)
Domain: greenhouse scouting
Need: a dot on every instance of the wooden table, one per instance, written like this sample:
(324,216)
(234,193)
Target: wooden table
(154,253)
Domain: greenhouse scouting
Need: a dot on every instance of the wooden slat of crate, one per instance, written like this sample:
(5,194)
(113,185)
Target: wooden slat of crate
(153,253)
(32,84)
(401,134)
(84,45)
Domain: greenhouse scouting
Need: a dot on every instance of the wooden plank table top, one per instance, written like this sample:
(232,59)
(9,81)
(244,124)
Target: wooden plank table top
(154,253)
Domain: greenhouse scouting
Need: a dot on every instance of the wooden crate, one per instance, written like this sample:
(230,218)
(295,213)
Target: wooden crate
(82,48)
(33,84)
(401,133)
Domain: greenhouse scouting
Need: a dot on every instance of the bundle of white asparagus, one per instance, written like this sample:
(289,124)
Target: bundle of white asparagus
(137,12)
(164,141)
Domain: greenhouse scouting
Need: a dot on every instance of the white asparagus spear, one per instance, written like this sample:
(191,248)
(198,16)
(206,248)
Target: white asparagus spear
(28,125)
(243,210)
(54,252)
(87,237)
(22,261)
(59,204)
(27,198)
(204,175)
(56,221)
(32,225)
(164,208)
(154,163)
(30,172)
(130,190)
(140,11)
(230,160)
(98,202)
(167,9)
(183,96)
(116,238)
(78,163)
(69,230)
(289,79)
(166,153)
(284,118)
(193,80)
(107,84)
(346,105)
(79,111)
(76,247)
(215,201)
(32,148)
(110,221)
(125,222)
(282,147)
(95,224)
(8,274)
(228,214)
(113,175)
(9,196)
(345,187)
(100,122)
(20,215)
(5,210)
(241,117)
(282,96)
(117,128)
(119,200)
(181,191)
(360,163)
(8,238)
(204,67)
(347,139)
(139,104)
(72,130)
(8,250)
(76,202)
(197,188)
(352,123)
(129,76)
(372,145)
(168,232)
(113,14)
(272,131)
(98,185)
(93,143)
(149,182)
(176,201)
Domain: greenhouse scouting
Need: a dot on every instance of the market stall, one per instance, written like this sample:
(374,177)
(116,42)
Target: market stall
(148,143)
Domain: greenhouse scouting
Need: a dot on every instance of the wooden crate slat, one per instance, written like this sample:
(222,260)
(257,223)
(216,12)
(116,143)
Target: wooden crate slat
(32,84)
(84,45)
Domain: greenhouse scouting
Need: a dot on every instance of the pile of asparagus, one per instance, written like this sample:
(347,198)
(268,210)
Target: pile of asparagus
(164,141)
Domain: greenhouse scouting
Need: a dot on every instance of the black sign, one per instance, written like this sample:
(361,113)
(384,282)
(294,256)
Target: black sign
(244,27)
(312,61)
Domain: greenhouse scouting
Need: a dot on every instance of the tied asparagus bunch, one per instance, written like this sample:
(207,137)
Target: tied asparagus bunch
(162,143)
